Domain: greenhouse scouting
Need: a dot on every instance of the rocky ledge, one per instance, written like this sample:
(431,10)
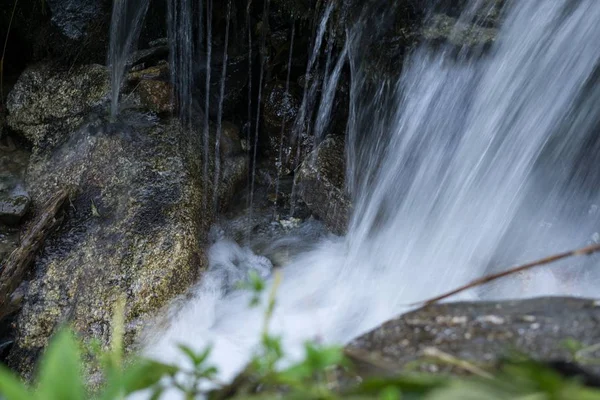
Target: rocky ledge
(466,337)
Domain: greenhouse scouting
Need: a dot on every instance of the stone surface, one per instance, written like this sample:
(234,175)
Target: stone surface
(46,105)
(156,96)
(73,17)
(236,81)
(481,333)
(13,163)
(321,179)
(14,204)
(136,228)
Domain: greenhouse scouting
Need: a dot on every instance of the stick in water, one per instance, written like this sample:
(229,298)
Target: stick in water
(584,251)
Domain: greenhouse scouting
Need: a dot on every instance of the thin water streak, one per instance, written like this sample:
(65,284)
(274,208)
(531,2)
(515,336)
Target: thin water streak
(220,110)
(126,26)
(283,124)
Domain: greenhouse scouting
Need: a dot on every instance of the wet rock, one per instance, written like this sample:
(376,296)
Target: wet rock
(321,180)
(236,81)
(231,143)
(156,96)
(481,333)
(279,112)
(136,228)
(45,105)
(280,108)
(14,200)
(445,29)
(158,51)
(159,71)
(13,206)
(73,17)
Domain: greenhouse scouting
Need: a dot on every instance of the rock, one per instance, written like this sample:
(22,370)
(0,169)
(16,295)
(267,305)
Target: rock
(445,29)
(136,228)
(158,72)
(46,105)
(236,81)
(321,180)
(14,200)
(481,333)
(13,206)
(73,18)
(231,143)
(157,96)
(280,108)
(279,111)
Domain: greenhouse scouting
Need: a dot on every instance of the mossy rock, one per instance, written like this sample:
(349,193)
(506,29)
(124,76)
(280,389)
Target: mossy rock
(136,228)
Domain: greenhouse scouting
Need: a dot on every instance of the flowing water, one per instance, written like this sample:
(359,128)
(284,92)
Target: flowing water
(181,55)
(220,109)
(461,165)
(126,26)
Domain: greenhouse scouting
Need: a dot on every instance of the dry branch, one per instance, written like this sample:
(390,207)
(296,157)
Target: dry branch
(584,251)
(21,258)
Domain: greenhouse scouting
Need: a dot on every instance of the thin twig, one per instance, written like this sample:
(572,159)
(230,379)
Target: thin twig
(449,359)
(584,251)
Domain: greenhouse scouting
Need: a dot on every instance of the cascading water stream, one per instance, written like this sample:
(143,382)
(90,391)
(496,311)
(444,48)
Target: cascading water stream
(126,26)
(220,110)
(283,125)
(310,88)
(451,172)
(206,129)
(181,55)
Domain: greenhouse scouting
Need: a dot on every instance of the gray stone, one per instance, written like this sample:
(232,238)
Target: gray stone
(321,180)
(47,105)
(136,228)
(73,17)
(14,205)
(481,334)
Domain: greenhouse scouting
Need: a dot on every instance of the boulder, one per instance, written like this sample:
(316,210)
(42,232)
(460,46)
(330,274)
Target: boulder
(136,228)
(481,334)
(321,180)
(46,105)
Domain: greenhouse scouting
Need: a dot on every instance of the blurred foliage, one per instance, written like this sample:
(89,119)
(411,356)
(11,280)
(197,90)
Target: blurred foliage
(315,377)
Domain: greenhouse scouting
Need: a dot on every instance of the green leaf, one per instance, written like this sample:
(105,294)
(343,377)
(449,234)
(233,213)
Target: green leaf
(196,358)
(139,375)
(60,375)
(390,393)
(257,284)
(11,387)
(572,345)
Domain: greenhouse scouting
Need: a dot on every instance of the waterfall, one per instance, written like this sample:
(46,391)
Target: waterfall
(462,164)
(179,23)
(126,26)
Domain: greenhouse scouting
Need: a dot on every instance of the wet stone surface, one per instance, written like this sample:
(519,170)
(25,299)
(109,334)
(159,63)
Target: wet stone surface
(483,333)
(14,200)
(321,180)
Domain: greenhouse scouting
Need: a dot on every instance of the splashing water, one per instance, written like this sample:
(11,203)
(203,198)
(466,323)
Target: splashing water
(462,164)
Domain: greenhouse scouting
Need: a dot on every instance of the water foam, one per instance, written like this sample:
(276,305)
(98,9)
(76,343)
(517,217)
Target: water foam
(455,174)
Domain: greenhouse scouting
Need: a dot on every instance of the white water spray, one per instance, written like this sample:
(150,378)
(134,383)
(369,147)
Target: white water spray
(451,169)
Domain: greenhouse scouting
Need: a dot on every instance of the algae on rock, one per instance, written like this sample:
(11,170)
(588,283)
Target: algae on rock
(135,228)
